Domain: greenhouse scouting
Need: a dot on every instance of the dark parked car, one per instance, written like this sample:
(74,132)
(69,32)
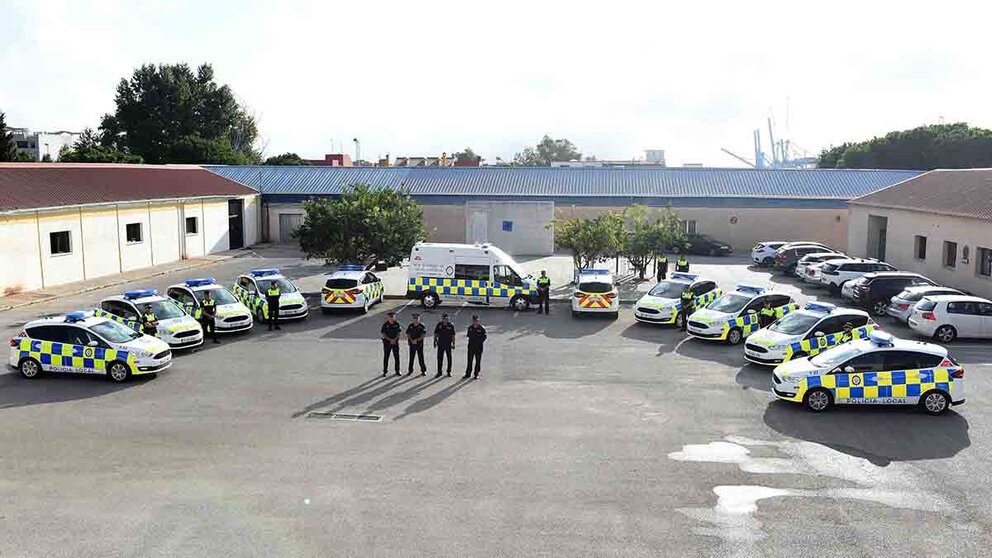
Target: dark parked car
(875,291)
(788,256)
(702,245)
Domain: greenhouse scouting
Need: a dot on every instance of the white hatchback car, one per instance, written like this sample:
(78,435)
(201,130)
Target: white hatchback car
(947,317)
(734,316)
(232,315)
(175,327)
(596,293)
(835,273)
(809,331)
(901,305)
(351,287)
(880,370)
(809,260)
(663,303)
(763,253)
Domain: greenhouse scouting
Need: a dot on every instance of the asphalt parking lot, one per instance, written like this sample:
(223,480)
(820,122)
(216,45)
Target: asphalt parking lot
(587,437)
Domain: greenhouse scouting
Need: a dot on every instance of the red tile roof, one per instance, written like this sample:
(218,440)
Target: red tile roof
(38,185)
(962,193)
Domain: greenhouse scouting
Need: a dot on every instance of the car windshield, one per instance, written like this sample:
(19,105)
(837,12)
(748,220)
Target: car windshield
(832,357)
(164,309)
(595,287)
(795,323)
(729,303)
(285,286)
(340,283)
(220,294)
(668,289)
(114,332)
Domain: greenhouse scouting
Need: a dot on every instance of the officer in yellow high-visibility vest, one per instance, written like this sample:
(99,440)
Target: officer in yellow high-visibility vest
(272,301)
(688,301)
(662,267)
(543,293)
(207,314)
(766,316)
(682,264)
(149,323)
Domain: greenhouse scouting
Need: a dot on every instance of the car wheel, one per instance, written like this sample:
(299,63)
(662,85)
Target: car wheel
(735,336)
(934,402)
(119,372)
(945,334)
(430,300)
(520,303)
(818,400)
(680,320)
(325,310)
(575,314)
(365,306)
(768,262)
(835,289)
(879,307)
(712,252)
(30,368)
(615,315)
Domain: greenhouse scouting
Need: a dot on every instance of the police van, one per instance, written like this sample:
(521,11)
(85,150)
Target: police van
(83,343)
(351,287)
(251,287)
(663,303)
(232,315)
(880,370)
(817,327)
(734,315)
(596,293)
(175,326)
(478,274)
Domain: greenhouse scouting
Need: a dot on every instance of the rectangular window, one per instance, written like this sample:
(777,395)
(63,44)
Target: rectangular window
(689,227)
(61,242)
(133,232)
(472,272)
(192,225)
(950,254)
(984,262)
(921,247)
(507,226)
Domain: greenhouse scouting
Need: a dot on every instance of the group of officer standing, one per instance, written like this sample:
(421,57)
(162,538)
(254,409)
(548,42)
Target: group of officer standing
(444,342)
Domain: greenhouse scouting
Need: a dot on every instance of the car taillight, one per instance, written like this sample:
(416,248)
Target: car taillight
(354,291)
(902,306)
(958,374)
(578,295)
(15,342)
(929,316)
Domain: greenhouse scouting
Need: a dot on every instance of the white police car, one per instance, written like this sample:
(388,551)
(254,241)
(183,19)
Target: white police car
(251,288)
(232,315)
(595,293)
(880,370)
(663,303)
(734,315)
(83,343)
(175,327)
(351,287)
(811,330)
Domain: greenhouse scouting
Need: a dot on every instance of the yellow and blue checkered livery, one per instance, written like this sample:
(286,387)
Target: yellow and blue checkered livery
(133,324)
(255,303)
(818,344)
(875,385)
(701,301)
(54,354)
(465,287)
(749,323)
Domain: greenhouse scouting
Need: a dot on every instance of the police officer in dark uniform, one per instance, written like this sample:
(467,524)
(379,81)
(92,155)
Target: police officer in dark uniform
(682,264)
(415,333)
(149,323)
(662,267)
(766,316)
(476,340)
(543,293)
(390,342)
(272,302)
(688,300)
(208,316)
(444,340)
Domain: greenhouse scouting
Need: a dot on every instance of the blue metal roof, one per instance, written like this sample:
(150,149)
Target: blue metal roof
(547,182)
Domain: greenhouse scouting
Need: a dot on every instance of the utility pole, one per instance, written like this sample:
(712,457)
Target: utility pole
(358,150)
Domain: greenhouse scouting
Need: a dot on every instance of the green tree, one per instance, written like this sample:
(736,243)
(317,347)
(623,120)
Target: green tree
(364,224)
(286,159)
(648,234)
(466,156)
(590,240)
(46,158)
(546,151)
(171,114)
(88,149)
(8,149)
(948,146)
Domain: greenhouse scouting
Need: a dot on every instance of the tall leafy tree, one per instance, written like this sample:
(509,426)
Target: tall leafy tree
(590,240)
(466,156)
(88,149)
(364,224)
(948,146)
(546,151)
(8,149)
(172,114)
(648,234)
(285,159)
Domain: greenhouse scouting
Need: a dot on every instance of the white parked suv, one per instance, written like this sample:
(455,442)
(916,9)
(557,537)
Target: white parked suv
(807,262)
(947,317)
(834,273)
(763,253)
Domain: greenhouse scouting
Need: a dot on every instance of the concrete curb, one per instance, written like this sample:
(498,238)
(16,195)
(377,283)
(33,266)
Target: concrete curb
(558,300)
(120,281)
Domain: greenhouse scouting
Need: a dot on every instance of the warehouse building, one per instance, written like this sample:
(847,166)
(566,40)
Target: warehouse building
(514,206)
(938,224)
(71,222)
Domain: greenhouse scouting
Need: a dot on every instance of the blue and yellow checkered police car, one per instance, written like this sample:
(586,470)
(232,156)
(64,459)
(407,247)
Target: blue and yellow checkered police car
(350,286)
(232,315)
(663,303)
(175,326)
(811,330)
(734,315)
(250,290)
(83,343)
(880,370)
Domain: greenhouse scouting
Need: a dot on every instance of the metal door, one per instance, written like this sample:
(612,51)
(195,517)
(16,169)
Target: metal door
(288,223)
(235,223)
(478,226)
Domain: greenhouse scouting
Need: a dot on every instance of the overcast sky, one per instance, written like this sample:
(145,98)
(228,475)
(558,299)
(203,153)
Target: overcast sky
(418,78)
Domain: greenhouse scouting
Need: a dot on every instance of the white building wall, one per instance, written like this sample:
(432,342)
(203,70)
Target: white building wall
(164,232)
(193,241)
(134,255)
(59,269)
(528,234)
(21,266)
(252,219)
(274,211)
(99,237)
(216,231)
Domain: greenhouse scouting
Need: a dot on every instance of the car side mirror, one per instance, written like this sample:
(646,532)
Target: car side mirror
(849,370)
(93,344)
(820,334)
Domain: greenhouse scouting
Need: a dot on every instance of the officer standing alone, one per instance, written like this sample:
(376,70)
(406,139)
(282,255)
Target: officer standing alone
(682,264)
(444,341)
(662,267)
(149,323)
(208,316)
(688,300)
(766,316)
(272,302)
(415,333)
(544,293)
(390,342)
(476,340)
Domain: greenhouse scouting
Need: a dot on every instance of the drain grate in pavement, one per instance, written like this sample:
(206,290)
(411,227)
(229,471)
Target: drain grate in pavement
(344,416)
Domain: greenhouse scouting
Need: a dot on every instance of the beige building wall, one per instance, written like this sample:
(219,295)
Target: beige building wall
(900,247)
(444,223)
(133,255)
(58,269)
(216,227)
(252,219)
(21,267)
(99,238)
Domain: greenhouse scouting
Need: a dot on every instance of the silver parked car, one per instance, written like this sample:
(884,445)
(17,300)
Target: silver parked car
(901,306)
